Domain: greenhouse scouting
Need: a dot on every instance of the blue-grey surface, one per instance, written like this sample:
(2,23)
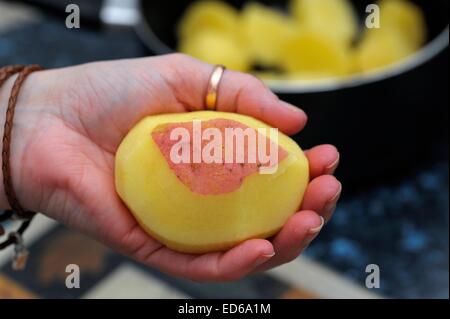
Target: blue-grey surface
(402,227)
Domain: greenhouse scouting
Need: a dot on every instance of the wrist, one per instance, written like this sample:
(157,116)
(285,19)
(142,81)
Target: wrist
(24,127)
(5,92)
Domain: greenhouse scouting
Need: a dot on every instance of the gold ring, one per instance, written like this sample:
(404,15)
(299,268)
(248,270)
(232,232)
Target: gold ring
(213,86)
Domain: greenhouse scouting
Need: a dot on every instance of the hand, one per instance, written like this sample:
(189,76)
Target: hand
(69,123)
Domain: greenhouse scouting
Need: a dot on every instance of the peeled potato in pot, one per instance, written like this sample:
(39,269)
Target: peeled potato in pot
(208,15)
(401,33)
(312,54)
(316,39)
(334,19)
(217,48)
(265,31)
(406,18)
(380,49)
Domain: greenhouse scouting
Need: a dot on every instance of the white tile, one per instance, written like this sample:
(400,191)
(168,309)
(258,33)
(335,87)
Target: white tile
(320,280)
(13,15)
(130,282)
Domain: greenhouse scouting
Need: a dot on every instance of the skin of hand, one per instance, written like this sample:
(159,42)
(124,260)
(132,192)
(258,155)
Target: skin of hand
(70,121)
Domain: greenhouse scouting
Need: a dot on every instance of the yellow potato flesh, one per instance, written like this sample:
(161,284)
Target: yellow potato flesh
(312,55)
(265,31)
(190,222)
(316,39)
(208,15)
(217,48)
(380,49)
(332,19)
(401,33)
(406,18)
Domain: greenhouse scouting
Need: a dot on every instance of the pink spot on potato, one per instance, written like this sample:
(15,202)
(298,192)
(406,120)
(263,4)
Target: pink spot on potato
(212,178)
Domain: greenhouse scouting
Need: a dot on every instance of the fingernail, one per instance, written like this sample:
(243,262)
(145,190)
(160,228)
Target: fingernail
(312,233)
(330,206)
(330,169)
(263,258)
(316,230)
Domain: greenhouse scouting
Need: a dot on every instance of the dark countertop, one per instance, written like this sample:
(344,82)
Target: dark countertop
(402,227)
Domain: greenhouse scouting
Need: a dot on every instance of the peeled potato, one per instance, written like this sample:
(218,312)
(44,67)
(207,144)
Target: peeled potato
(311,54)
(200,208)
(406,18)
(380,49)
(208,15)
(335,19)
(401,33)
(315,40)
(217,48)
(265,30)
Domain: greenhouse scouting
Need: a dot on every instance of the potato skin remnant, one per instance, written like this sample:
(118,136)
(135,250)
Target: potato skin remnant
(211,178)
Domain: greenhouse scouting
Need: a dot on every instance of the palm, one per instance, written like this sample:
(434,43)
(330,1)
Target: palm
(109,101)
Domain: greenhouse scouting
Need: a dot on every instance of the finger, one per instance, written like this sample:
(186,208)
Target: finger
(323,159)
(237,92)
(245,94)
(322,195)
(219,266)
(296,234)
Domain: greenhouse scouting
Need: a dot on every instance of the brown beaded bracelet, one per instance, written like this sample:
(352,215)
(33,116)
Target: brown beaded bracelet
(16,211)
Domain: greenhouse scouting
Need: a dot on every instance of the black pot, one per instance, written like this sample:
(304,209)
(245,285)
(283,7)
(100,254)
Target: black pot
(384,124)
